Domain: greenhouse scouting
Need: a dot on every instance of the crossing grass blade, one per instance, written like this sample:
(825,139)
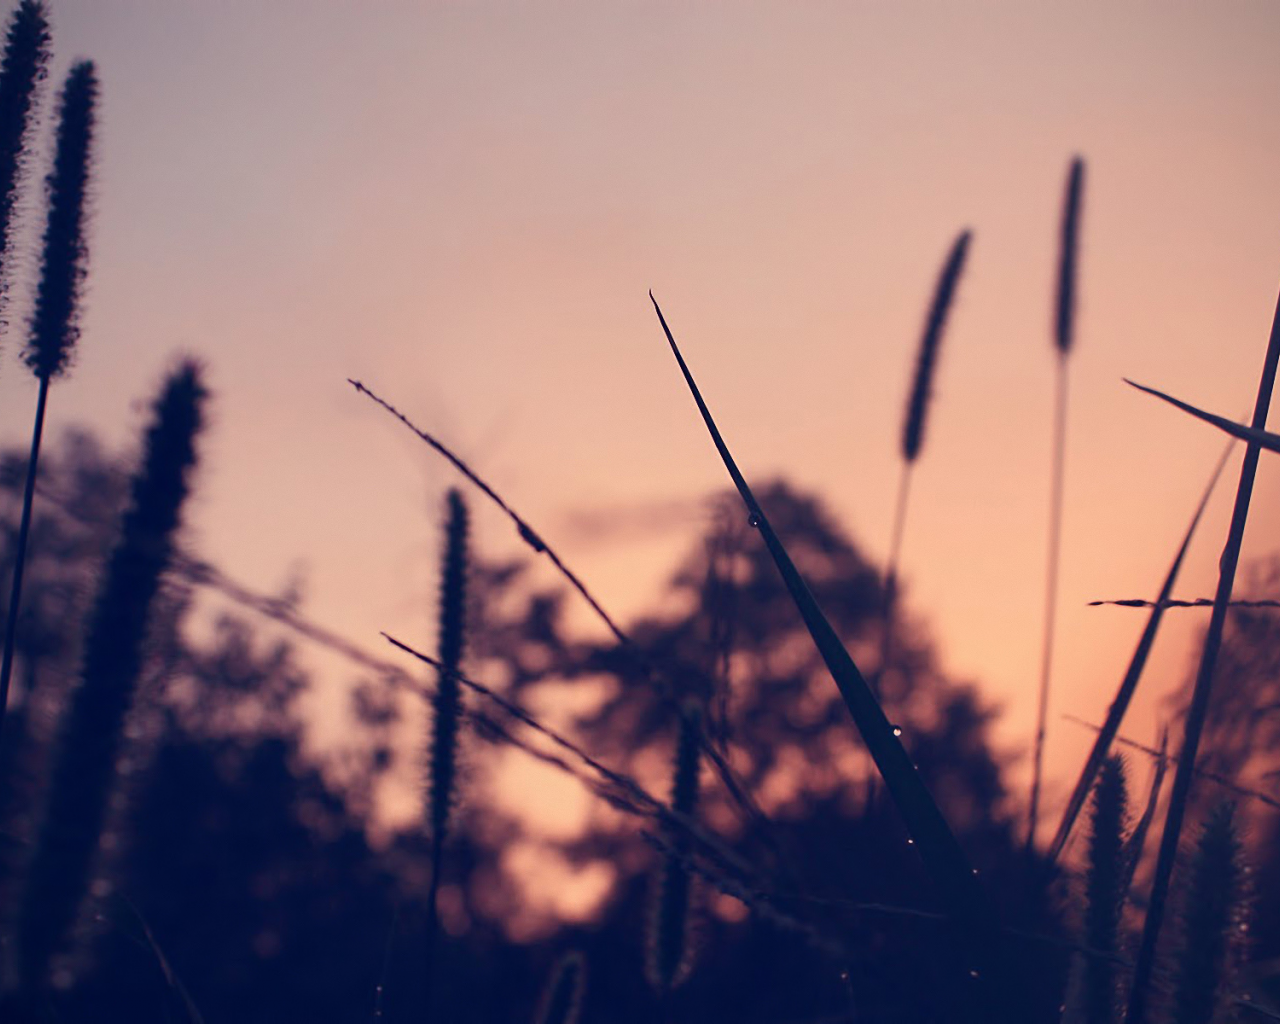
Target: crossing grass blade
(1120,704)
(957,886)
(1252,434)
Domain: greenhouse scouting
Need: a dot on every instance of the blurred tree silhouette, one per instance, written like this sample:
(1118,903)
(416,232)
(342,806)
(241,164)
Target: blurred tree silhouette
(246,884)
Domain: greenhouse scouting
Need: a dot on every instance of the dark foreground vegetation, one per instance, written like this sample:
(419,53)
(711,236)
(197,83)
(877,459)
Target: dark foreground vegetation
(764,846)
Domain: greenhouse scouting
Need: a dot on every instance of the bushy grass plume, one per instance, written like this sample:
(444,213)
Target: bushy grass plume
(26,52)
(54,324)
(1104,892)
(669,949)
(1199,707)
(1213,922)
(84,769)
(562,999)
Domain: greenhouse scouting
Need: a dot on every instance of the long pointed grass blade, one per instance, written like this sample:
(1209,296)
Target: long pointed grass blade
(963,897)
(1200,695)
(1120,703)
(1253,434)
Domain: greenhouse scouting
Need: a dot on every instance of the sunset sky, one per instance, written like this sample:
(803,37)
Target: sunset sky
(464,204)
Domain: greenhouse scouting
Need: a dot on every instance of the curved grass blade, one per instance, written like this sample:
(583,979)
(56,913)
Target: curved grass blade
(1120,704)
(1253,434)
(1145,962)
(963,897)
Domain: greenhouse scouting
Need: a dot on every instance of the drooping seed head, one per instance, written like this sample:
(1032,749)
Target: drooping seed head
(55,321)
(921,388)
(1068,256)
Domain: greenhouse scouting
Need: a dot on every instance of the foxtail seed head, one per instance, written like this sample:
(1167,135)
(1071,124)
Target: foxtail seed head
(1068,256)
(921,388)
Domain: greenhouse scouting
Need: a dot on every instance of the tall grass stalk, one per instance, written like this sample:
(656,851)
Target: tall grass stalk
(54,324)
(1064,338)
(1139,996)
(84,769)
(963,897)
(1129,684)
(446,707)
(913,431)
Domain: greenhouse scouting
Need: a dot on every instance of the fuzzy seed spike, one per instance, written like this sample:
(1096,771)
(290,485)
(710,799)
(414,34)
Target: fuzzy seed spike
(1211,921)
(926,360)
(447,702)
(26,53)
(1068,256)
(55,322)
(1104,895)
(85,765)
(670,951)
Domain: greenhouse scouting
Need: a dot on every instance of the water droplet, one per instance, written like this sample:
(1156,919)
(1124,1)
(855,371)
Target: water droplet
(973,974)
(753,519)
(897,730)
(911,842)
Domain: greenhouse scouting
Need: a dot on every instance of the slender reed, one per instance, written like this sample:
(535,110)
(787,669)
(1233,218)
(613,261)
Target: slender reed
(1129,684)
(1139,995)
(1064,337)
(84,769)
(913,431)
(669,950)
(1104,893)
(966,902)
(54,324)
(22,68)
(562,999)
(1252,433)
(442,767)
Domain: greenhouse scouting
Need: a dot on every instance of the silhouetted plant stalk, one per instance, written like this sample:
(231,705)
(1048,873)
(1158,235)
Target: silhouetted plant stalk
(446,706)
(562,999)
(54,324)
(22,68)
(724,771)
(84,769)
(913,432)
(1139,996)
(1129,684)
(669,948)
(967,904)
(1064,337)
(1104,890)
(1214,922)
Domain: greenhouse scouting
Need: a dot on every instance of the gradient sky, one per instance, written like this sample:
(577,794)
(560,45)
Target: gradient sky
(463,205)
